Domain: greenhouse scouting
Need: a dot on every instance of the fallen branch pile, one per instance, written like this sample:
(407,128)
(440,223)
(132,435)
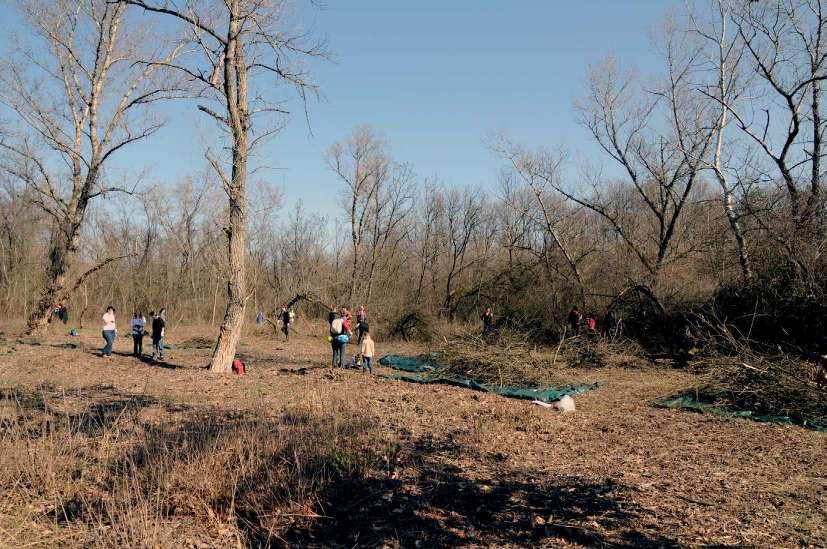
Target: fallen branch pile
(779,385)
(504,360)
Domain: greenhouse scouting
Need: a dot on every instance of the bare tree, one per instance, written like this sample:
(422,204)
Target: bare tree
(724,54)
(785,44)
(463,212)
(361,163)
(391,205)
(237,43)
(75,108)
(425,236)
(662,164)
(540,172)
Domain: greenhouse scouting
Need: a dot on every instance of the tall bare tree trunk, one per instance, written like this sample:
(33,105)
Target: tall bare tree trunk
(61,257)
(235,91)
(725,97)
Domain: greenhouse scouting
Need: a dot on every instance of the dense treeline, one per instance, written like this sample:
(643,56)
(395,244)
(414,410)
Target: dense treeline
(708,199)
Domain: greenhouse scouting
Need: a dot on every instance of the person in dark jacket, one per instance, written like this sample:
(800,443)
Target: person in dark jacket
(284,317)
(575,318)
(159,326)
(487,322)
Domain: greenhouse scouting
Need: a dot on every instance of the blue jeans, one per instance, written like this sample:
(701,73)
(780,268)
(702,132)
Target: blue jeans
(339,354)
(366,363)
(109,337)
(158,348)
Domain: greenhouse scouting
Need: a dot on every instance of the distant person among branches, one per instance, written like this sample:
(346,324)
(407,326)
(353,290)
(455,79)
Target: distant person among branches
(159,327)
(62,313)
(609,324)
(138,331)
(109,331)
(487,322)
(574,319)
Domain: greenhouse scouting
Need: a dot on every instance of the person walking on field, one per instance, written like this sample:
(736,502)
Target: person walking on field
(331,316)
(159,326)
(138,329)
(109,332)
(338,332)
(284,316)
(367,351)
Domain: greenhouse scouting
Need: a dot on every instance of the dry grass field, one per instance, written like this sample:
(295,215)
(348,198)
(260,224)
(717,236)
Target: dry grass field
(122,452)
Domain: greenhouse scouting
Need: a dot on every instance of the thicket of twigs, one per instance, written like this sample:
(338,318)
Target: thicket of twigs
(505,359)
(412,326)
(738,373)
(778,385)
(597,351)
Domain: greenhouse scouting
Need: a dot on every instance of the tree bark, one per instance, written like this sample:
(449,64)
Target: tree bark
(61,257)
(235,91)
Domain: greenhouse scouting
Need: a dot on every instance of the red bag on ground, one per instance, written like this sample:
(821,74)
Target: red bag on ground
(238,367)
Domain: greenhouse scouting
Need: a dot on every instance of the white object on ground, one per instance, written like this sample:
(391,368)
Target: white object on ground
(541,403)
(565,404)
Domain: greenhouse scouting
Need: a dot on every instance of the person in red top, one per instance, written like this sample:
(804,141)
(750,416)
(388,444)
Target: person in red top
(591,323)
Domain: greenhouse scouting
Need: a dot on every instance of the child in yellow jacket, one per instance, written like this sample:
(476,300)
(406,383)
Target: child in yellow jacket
(367,351)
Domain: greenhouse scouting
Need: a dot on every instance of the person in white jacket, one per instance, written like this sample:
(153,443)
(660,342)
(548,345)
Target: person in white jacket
(367,351)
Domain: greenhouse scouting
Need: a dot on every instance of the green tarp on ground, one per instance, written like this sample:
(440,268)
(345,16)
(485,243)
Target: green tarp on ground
(421,363)
(422,367)
(688,401)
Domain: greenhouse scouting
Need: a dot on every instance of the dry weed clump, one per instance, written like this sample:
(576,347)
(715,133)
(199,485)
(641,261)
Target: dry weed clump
(88,469)
(504,359)
(780,385)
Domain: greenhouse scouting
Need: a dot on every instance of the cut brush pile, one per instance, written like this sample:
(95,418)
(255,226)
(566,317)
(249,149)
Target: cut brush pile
(505,359)
(780,389)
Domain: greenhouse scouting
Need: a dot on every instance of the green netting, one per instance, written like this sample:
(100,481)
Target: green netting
(422,363)
(688,401)
(422,367)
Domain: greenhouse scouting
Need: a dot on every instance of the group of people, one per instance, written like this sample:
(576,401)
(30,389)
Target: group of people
(580,324)
(159,324)
(340,322)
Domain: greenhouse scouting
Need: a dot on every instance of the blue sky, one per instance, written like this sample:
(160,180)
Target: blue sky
(434,78)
